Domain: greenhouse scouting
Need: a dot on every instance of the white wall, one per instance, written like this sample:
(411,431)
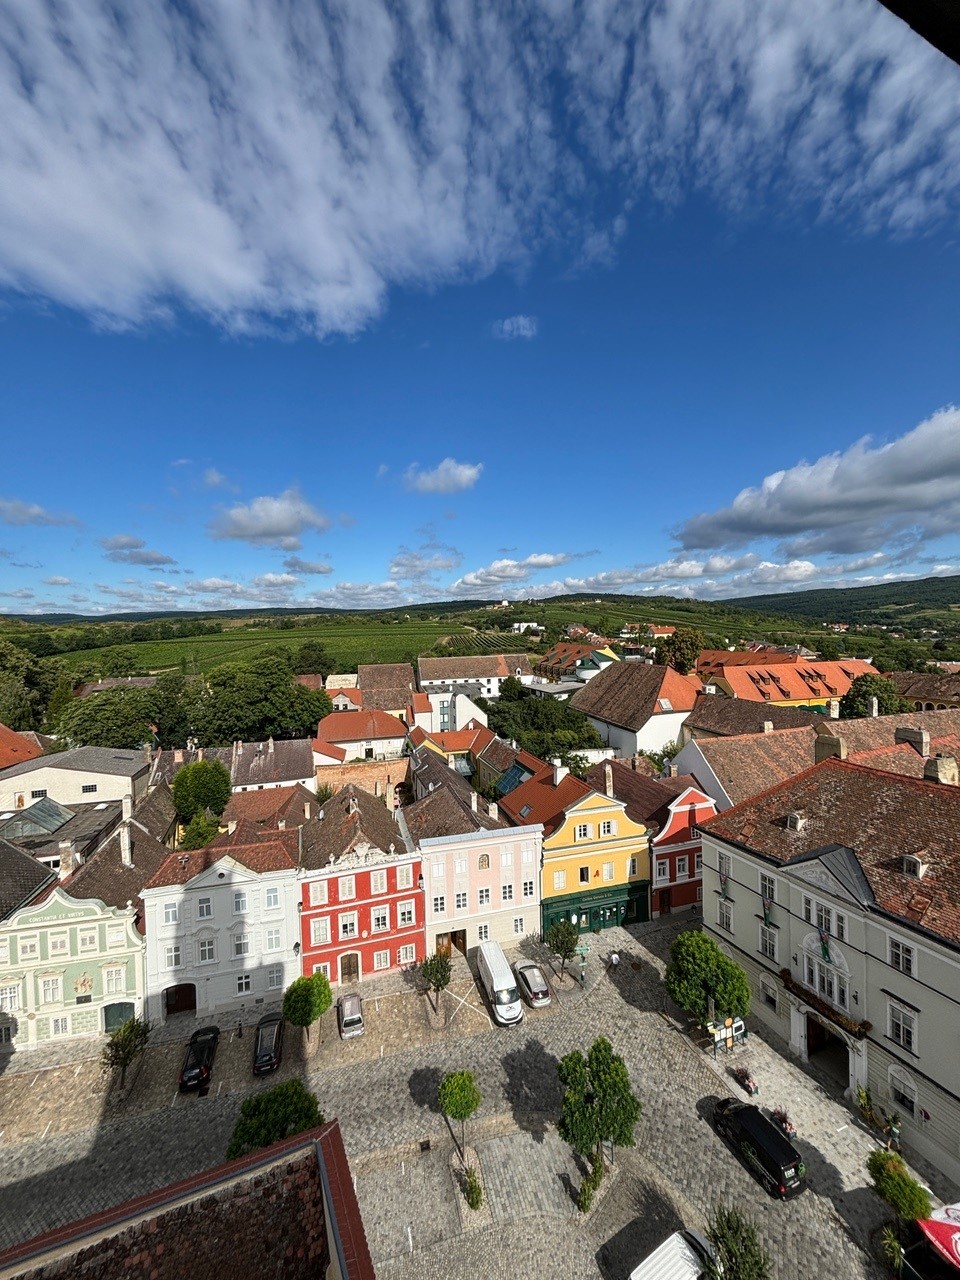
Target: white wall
(653,736)
(691,760)
(66,787)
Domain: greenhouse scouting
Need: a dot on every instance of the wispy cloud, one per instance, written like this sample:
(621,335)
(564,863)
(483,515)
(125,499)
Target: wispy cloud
(15,512)
(506,572)
(418,567)
(270,522)
(293,564)
(124,548)
(57,582)
(449,477)
(515,327)
(215,479)
(297,162)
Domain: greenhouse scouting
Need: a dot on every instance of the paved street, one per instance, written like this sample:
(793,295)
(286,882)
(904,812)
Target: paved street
(387,1107)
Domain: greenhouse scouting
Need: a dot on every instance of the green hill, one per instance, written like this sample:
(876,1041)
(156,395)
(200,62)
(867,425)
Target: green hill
(890,600)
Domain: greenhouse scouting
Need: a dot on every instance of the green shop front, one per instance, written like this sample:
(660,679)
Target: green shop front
(596,909)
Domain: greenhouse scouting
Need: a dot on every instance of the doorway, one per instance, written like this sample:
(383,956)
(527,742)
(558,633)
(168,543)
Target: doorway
(459,940)
(180,999)
(827,1050)
(443,944)
(350,967)
(664,907)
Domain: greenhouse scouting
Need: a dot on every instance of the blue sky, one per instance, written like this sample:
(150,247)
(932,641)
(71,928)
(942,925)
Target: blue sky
(367,306)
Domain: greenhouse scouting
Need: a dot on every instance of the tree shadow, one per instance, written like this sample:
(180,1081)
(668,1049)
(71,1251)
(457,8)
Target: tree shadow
(532,1088)
(655,1217)
(423,1085)
(637,981)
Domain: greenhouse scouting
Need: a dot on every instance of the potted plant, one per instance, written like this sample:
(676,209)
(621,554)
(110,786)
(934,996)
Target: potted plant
(779,1116)
(745,1080)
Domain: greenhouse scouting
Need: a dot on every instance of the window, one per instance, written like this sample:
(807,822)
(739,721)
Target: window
(825,918)
(902,957)
(682,866)
(271,899)
(483,933)
(204,908)
(584,875)
(239,903)
(460,866)
(318,893)
(272,940)
(275,978)
(631,866)
(407,954)
(171,956)
(87,939)
(768,942)
(724,864)
(439,871)
(827,981)
(903,1028)
(903,1091)
(725,915)
(608,828)
(243,984)
(405,876)
(28,947)
(6,1035)
(171,913)
(88,788)
(10,998)
(320,931)
(559,880)
(768,887)
(483,862)
(378,882)
(663,869)
(380,919)
(51,991)
(506,857)
(439,904)
(348,924)
(483,897)
(206,951)
(115,935)
(406,913)
(518,925)
(59,1026)
(323,968)
(582,831)
(241,944)
(769,993)
(347,887)
(528,888)
(461,902)
(381,960)
(58,943)
(527,853)
(608,871)
(115,981)
(506,893)
(38,795)
(699,863)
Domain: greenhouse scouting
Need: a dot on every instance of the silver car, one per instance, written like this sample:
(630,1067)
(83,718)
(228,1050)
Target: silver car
(350,1016)
(533,984)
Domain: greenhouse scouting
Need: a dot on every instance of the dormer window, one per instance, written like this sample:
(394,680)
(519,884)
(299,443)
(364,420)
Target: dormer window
(912,866)
(796,822)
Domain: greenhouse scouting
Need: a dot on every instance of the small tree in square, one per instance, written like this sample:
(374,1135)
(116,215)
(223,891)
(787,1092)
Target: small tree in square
(562,939)
(739,1253)
(436,971)
(306,1000)
(598,1103)
(125,1045)
(281,1112)
(459,1098)
(698,970)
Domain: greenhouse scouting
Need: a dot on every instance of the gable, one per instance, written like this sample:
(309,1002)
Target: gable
(58,907)
(816,876)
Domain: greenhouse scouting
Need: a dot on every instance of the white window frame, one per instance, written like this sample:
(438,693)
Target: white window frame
(483,897)
(631,868)
(60,1025)
(483,933)
(406,914)
(273,939)
(346,888)
(506,893)
(769,943)
(902,1025)
(902,957)
(87,938)
(347,925)
(529,888)
(380,919)
(518,927)
(902,1089)
(582,831)
(206,944)
(683,866)
(275,977)
(381,960)
(768,886)
(171,913)
(827,981)
(51,990)
(439,904)
(724,865)
(240,902)
(241,945)
(204,908)
(725,915)
(559,880)
(460,867)
(506,857)
(405,876)
(378,881)
(318,893)
(271,898)
(58,944)
(608,827)
(10,997)
(320,931)
(461,901)
(608,872)
(768,993)
(662,871)
(324,968)
(172,956)
(244,984)
(407,954)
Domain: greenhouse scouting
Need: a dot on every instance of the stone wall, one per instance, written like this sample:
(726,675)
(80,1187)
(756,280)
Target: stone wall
(379,777)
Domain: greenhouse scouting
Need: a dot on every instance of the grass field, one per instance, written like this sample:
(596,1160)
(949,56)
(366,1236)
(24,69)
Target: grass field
(347,643)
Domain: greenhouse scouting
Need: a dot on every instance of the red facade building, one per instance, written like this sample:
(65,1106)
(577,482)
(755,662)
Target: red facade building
(361,899)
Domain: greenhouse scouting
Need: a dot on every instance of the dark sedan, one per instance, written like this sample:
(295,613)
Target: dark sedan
(198,1064)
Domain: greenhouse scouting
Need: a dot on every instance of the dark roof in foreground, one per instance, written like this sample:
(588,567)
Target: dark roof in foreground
(647,799)
(21,877)
(126,764)
(629,693)
(353,818)
(106,877)
(725,717)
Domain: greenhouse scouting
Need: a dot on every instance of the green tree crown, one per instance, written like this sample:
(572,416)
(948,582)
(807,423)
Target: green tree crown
(200,786)
(698,969)
(278,1113)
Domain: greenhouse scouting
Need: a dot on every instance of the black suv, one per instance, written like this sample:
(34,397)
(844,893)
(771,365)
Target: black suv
(764,1147)
(198,1064)
(268,1044)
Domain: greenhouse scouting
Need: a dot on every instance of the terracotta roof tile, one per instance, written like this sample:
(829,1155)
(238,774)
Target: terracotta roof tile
(15,749)
(260,856)
(784,682)
(717,716)
(538,800)
(352,819)
(647,799)
(629,693)
(271,806)
(359,726)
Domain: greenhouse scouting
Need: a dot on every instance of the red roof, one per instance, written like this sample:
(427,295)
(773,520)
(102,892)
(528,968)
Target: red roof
(421,704)
(16,749)
(538,800)
(472,738)
(784,682)
(261,856)
(359,726)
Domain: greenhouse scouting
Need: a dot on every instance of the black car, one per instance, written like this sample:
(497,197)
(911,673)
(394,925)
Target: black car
(198,1064)
(764,1146)
(268,1044)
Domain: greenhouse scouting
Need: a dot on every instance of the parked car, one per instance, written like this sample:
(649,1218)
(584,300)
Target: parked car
(268,1044)
(683,1256)
(198,1064)
(350,1016)
(533,985)
(763,1145)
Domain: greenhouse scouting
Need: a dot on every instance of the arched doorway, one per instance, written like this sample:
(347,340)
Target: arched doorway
(180,999)
(350,967)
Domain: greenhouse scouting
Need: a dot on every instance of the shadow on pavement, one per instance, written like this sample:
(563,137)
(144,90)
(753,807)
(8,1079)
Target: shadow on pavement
(424,1084)
(655,1218)
(532,1088)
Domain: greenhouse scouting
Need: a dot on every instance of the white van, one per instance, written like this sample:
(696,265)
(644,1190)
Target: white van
(500,984)
(682,1256)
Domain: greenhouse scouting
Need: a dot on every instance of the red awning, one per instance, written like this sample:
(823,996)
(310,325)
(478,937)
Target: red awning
(945,1238)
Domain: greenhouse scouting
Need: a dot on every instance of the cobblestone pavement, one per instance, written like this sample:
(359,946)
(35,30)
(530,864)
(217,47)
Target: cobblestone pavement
(387,1106)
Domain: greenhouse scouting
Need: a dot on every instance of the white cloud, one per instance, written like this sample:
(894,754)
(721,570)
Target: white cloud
(293,564)
(419,566)
(270,522)
(124,548)
(449,477)
(215,479)
(515,327)
(57,582)
(15,512)
(297,162)
(506,571)
(849,502)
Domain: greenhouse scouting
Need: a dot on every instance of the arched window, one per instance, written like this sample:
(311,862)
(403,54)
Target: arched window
(903,1090)
(483,862)
(830,979)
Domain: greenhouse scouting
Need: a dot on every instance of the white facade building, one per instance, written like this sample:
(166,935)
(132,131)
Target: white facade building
(84,775)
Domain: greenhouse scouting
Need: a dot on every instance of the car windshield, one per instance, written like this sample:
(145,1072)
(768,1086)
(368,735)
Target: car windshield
(508,995)
(353,1021)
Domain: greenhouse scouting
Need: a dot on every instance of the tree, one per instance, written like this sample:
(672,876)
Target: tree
(681,650)
(740,1255)
(306,1000)
(598,1104)
(893,1183)
(200,830)
(857,700)
(459,1098)
(436,972)
(202,785)
(118,717)
(278,1113)
(125,1045)
(312,659)
(256,700)
(698,969)
(562,939)
(542,726)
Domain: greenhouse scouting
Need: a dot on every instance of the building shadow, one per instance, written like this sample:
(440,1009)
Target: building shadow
(637,982)
(532,1087)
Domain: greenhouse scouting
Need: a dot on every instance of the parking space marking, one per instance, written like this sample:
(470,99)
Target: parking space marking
(175,1096)
(34,1080)
(219,1087)
(47,1129)
(79,1068)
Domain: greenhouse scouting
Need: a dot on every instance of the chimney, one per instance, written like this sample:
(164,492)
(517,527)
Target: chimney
(126,846)
(352,805)
(672,770)
(199,753)
(231,826)
(918,738)
(874,707)
(560,771)
(307,809)
(826,747)
(473,801)
(270,747)
(492,810)
(68,856)
(452,762)
(833,709)
(127,808)
(608,779)
(768,726)
(942,769)
(178,756)
(377,788)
